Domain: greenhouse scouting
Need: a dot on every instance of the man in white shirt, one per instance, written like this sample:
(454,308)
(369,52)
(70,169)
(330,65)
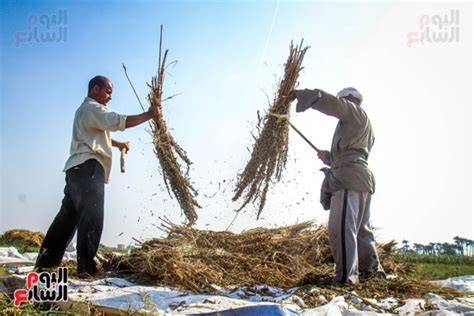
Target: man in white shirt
(87,170)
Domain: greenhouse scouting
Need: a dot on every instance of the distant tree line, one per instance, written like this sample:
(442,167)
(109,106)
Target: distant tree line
(461,246)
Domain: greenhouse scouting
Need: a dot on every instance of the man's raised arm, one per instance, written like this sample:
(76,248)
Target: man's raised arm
(134,120)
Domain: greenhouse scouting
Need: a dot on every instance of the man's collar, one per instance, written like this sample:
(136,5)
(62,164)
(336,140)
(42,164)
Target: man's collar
(91,100)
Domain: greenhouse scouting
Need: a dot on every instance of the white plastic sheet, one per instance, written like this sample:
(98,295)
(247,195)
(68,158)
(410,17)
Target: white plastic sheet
(122,295)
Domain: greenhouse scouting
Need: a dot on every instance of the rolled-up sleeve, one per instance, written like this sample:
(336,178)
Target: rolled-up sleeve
(102,118)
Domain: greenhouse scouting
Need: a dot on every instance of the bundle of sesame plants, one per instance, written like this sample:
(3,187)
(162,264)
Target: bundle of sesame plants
(167,150)
(270,150)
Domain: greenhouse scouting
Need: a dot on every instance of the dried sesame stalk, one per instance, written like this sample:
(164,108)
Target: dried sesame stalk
(166,149)
(269,155)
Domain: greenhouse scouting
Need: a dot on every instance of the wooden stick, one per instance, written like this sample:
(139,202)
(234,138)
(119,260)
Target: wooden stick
(304,137)
(283,116)
(122,160)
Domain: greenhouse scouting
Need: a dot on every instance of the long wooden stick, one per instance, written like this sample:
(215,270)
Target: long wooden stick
(304,137)
(122,160)
(283,116)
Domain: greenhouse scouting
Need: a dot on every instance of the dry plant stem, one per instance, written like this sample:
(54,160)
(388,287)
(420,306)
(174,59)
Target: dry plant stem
(134,90)
(269,154)
(365,301)
(233,220)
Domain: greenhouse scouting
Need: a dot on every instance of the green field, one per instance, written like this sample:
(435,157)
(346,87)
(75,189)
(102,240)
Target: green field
(20,248)
(444,259)
(440,271)
(436,267)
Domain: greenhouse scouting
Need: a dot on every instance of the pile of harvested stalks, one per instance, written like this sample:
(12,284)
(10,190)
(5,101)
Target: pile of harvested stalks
(166,148)
(22,238)
(270,150)
(200,260)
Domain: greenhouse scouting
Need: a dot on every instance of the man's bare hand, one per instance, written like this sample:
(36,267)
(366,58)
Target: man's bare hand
(154,110)
(121,145)
(325,157)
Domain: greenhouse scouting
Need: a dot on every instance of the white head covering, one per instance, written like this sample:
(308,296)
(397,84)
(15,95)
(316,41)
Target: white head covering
(350,91)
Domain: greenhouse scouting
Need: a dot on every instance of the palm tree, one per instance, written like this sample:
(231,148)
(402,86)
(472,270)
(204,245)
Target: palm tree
(461,243)
(469,246)
(418,248)
(406,246)
(437,248)
(430,248)
(448,249)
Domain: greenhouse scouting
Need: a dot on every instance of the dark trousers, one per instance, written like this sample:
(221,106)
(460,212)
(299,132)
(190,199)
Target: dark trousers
(82,209)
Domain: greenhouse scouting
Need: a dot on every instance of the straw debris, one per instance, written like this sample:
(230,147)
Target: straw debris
(286,257)
(269,154)
(198,260)
(22,238)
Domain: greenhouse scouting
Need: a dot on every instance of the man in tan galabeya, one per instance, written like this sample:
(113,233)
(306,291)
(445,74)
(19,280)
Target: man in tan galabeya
(348,184)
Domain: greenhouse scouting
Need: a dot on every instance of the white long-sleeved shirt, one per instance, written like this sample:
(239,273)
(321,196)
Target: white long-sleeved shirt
(93,123)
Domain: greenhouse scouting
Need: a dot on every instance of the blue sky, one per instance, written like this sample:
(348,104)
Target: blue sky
(229,55)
